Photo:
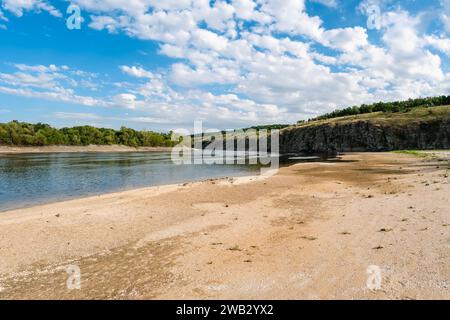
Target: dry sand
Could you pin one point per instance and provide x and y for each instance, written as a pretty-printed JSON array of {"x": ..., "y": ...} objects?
[
  {"x": 310, "y": 232},
  {"x": 74, "y": 149}
]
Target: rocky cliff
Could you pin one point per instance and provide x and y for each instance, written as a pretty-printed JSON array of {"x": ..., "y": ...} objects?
[{"x": 417, "y": 129}]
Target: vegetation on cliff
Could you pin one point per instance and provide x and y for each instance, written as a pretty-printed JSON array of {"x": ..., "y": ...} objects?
[
  {"x": 389, "y": 107},
  {"x": 388, "y": 118}
]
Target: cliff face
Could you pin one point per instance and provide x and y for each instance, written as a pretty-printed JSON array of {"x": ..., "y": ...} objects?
[{"x": 367, "y": 135}]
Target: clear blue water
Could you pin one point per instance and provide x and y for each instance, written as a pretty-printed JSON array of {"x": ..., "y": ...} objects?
[{"x": 30, "y": 179}]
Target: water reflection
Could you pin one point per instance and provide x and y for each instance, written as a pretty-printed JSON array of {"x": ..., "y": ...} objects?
[{"x": 30, "y": 179}]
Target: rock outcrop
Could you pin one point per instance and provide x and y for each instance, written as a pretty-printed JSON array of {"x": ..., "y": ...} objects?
[{"x": 366, "y": 135}]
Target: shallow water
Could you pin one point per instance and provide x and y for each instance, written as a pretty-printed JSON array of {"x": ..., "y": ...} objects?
[{"x": 30, "y": 179}]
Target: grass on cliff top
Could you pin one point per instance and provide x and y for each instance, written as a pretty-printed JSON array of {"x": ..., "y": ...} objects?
[
  {"x": 416, "y": 153},
  {"x": 432, "y": 154},
  {"x": 386, "y": 118}
]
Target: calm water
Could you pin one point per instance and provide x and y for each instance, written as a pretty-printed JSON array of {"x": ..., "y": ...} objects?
[{"x": 30, "y": 179}]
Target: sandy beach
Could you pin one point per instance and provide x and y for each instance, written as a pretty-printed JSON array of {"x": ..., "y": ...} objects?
[
  {"x": 309, "y": 232},
  {"x": 74, "y": 149}
]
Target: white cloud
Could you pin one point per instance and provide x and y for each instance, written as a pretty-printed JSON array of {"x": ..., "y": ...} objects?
[
  {"x": 205, "y": 39},
  {"x": 218, "y": 73},
  {"x": 125, "y": 100},
  {"x": 49, "y": 82},
  {"x": 136, "y": 72},
  {"x": 328, "y": 3},
  {"x": 440, "y": 43},
  {"x": 76, "y": 116},
  {"x": 103, "y": 22},
  {"x": 59, "y": 94},
  {"x": 263, "y": 59},
  {"x": 18, "y": 7},
  {"x": 36, "y": 68},
  {"x": 445, "y": 14},
  {"x": 2, "y": 16},
  {"x": 215, "y": 17},
  {"x": 21, "y": 79},
  {"x": 347, "y": 39}
]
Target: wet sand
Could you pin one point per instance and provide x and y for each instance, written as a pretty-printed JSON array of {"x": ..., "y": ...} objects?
[{"x": 309, "y": 232}]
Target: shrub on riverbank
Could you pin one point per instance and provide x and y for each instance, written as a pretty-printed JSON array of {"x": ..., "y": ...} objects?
[{"x": 27, "y": 134}]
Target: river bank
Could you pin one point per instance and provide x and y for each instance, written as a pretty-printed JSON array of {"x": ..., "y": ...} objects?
[
  {"x": 75, "y": 149},
  {"x": 311, "y": 232}
]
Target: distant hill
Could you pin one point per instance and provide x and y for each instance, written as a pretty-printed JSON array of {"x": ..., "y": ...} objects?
[{"x": 394, "y": 106}]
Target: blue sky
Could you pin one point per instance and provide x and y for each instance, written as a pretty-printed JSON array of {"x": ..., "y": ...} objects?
[{"x": 161, "y": 64}]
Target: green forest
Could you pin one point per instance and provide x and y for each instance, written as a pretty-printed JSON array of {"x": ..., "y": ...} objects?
[
  {"x": 26, "y": 134},
  {"x": 396, "y": 106}
]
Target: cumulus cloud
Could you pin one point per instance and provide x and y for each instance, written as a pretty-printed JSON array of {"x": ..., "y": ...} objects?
[
  {"x": 257, "y": 61},
  {"x": 17, "y": 7},
  {"x": 125, "y": 100},
  {"x": 57, "y": 83},
  {"x": 137, "y": 72},
  {"x": 440, "y": 43}
]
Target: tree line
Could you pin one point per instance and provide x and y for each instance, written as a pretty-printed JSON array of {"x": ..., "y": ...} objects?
[
  {"x": 26, "y": 134},
  {"x": 396, "y": 106},
  {"x": 270, "y": 127},
  {"x": 40, "y": 134}
]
